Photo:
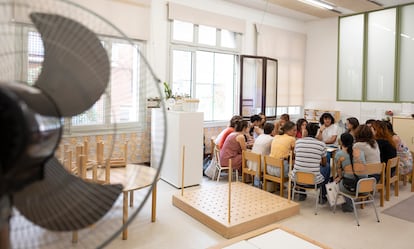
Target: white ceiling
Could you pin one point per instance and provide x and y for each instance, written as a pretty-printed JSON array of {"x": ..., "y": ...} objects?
[{"x": 301, "y": 11}]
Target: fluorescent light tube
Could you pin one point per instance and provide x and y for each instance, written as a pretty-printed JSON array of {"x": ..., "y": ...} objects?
[{"x": 318, "y": 4}]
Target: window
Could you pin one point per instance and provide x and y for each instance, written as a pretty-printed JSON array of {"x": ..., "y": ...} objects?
[
  {"x": 375, "y": 56},
  {"x": 204, "y": 67},
  {"x": 120, "y": 104}
]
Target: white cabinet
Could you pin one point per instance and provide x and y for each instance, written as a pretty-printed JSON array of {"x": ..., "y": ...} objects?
[
  {"x": 183, "y": 129},
  {"x": 404, "y": 127}
]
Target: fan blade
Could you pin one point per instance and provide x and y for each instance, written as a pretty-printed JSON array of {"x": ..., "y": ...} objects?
[
  {"x": 75, "y": 70},
  {"x": 63, "y": 202}
]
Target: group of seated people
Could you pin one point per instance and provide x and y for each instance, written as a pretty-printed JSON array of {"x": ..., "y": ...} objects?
[{"x": 372, "y": 142}]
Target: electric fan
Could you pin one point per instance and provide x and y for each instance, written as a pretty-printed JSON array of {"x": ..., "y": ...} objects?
[{"x": 72, "y": 73}]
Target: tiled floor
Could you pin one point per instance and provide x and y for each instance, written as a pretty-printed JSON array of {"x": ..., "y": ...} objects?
[{"x": 175, "y": 229}]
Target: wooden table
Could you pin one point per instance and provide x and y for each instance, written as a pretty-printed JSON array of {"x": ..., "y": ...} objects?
[{"x": 134, "y": 177}]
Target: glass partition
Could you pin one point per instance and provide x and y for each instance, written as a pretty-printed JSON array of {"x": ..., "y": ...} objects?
[
  {"x": 406, "y": 86},
  {"x": 381, "y": 55},
  {"x": 350, "y": 62}
]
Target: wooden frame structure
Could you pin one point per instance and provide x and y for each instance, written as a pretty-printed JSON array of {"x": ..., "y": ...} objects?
[{"x": 251, "y": 208}]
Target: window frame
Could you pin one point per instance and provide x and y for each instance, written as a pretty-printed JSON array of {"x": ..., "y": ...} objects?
[
  {"x": 195, "y": 46},
  {"x": 107, "y": 127}
]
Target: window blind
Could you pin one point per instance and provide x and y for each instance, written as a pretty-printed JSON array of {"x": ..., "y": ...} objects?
[
  {"x": 197, "y": 16},
  {"x": 289, "y": 48}
]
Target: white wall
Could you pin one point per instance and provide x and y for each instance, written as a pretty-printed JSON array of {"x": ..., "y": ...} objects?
[
  {"x": 321, "y": 73},
  {"x": 158, "y": 45}
]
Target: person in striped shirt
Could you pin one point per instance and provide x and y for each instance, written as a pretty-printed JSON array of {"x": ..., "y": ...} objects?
[{"x": 310, "y": 156}]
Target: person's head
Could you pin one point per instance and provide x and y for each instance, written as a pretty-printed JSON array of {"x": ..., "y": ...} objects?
[
  {"x": 285, "y": 117},
  {"x": 301, "y": 124},
  {"x": 364, "y": 134},
  {"x": 369, "y": 122},
  {"x": 268, "y": 128},
  {"x": 381, "y": 132},
  {"x": 326, "y": 119},
  {"x": 255, "y": 120},
  {"x": 352, "y": 123},
  {"x": 263, "y": 117},
  {"x": 289, "y": 128},
  {"x": 390, "y": 128},
  {"x": 347, "y": 140},
  {"x": 234, "y": 119},
  {"x": 241, "y": 125},
  {"x": 312, "y": 129}
]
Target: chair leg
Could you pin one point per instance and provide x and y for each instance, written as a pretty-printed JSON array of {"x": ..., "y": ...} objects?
[
  {"x": 355, "y": 211},
  {"x": 396, "y": 188},
  {"x": 264, "y": 184},
  {"x": 405, "y": 179},
  {"x": 281, "y": 189},
  {"x": 381, "y": 192},
  {"x": 218, "y": 175},
  {"x": 387, "y": 191},
  {"x": 375, "y": 209}
]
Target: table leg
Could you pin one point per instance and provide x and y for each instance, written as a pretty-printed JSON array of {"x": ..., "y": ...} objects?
[
  {"x": 131, "y": 198},
  {"x": 125, "y": 216},
  {"x": 154, "y": 202}
]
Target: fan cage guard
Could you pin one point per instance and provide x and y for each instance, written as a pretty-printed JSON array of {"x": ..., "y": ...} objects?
[{"x": 14, "y": 14}]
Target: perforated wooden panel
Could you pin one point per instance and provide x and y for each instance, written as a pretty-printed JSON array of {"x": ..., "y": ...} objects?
[{"x": 251, "y": 207}]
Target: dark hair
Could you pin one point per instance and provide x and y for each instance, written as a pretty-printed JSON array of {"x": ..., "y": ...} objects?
[
  {"x": 240, "y": 125},
  {"x": 312, "y": 129},
  {"x": 353, "y": 121},
  {"x": 285, "y": 117},
  {"x": 268, "y": 128},
  {"x": 390, "y": 129},
  {"x": 287, "y": 127},
  {"x": 347, "y": 141},
  {"x": 300, "y": 122},
  {"x": 364, "y": 134},
  {"x": 234, "y": 119},
  {"x": 370, "y": 121},
  {"x": 326, "y": 115},
  {"x": 255, "y": 118}
]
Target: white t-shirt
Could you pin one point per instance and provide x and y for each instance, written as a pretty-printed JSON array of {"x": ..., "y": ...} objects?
[
  {"x": 261, "y": 146},
  {"x": 330, "y": 131}
]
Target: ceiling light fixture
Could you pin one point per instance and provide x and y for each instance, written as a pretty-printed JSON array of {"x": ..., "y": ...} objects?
[{"x": 318, "y": 3}]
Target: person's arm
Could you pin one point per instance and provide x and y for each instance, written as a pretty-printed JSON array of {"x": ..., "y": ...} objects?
[
  {"x": 323, "y": 161},
  {"x": 258, "y": 130},
  {"x": 338, "y": 164},
  {"x": 242, "y": 141},
  {"x": 331, "y": 140},
  {"x": 319, "y": 134}
]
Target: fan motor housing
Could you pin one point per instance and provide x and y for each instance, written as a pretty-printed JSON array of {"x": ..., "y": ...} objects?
[{"x": 29, "y": 138}]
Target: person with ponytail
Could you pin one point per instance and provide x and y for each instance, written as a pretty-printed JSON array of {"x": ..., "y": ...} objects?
[{"x": 353, "y": 160}]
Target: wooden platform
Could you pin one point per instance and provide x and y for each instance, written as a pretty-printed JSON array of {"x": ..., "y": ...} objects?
[{"x": 251, "y": 208}]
